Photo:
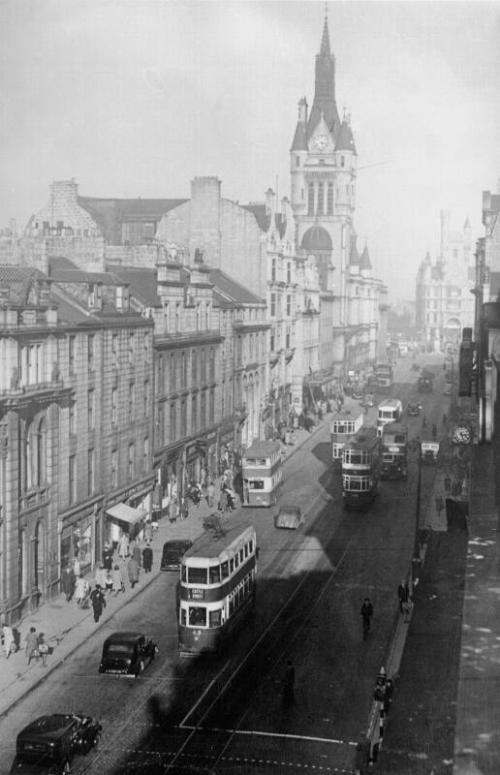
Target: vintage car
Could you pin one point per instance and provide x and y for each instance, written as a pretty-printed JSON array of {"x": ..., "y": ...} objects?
[
  {"x": 289, "y": 517},
  {"x": 429, "y": 451},
  {"x": 368, "y": 400},
  {"x": 413, "y": 409},
  {"x": 48, "y": 744},
  {"x": 173, "y": 552},
  {"x": 127, "y": 653}
]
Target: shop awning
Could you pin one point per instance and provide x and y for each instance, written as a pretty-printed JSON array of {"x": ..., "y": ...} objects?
[{"x": 125, "y": 513}]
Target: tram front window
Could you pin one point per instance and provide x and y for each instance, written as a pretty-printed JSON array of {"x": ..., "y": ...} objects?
[
  {"x": 224, "y": 568},
  {"x": 214, "y": 574},
  {"x": 197, "y": 575},
  {"x": 197, "y": 616},
  {"x": 255, "y": 484},
  {"x": 215, "y": 618}
]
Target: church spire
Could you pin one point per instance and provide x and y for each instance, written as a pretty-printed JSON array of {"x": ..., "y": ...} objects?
[{"x": 324, "y": 90}]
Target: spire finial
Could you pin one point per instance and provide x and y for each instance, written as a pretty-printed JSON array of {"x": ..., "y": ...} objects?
[{"x": 325, "y": 38}]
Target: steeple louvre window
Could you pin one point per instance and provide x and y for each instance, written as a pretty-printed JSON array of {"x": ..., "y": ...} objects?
[
  {"x": 321, "y": 199},
  {"x": 310, "y": 199},
  {"x": 329, "y": 201}
]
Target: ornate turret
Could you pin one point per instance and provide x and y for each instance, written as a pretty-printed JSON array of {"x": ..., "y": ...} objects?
[
  {"x": 324, "y": 92},
  {"x": 345, "y": 138},
  {"x": 365, "y": 264}
]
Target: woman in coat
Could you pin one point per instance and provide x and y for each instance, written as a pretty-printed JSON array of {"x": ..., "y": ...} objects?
[
  {"x": 133, "y": 572},
  {"x": 118, "y": 585},
  {"x": 68, "y": 582}
]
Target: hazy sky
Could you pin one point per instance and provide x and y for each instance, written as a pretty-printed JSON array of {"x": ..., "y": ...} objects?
[{"x": 136, "y": 97}]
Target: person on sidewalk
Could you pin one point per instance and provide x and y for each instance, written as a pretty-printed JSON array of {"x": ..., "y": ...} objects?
[
  {"x": 107, "y": 556},
  {"x": 133, "y": 572},
  {"x": 366, "y": 615},
  {"x": 100, "y": 576},
  {"x": 98, "y": 602},
  {"x": 43, "y": 649},
  {"x": 135, "y": 551},
  {"x": 403, "y": 595},
  {"x": 68, "y": 582},
  {"x": 9, "y": 642},
  {"x": 210, "y": 494},
  {"x": 147, "y": 558},
  {"x": 118, "y": 585},
  {"x": 31, "y": 645},
  {"x": 123, "y": 546},
  {"x": 81, "y": 590}
]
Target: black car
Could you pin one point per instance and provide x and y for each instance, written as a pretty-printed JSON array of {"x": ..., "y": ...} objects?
[
  {"x": 49, "y": 743},
  {"x": 413, "y": 409},
  {"x": 173, "y": 552},
  {"x": 127, "y": 653}
]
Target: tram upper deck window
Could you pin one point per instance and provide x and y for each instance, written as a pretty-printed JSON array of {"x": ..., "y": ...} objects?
[
  {"x": 215, "y": 618},
  {"x": 224, "y": 570},
  {"x": 255, "y": 484},
  {"x": 197, "y": 616},
  {"x": 197, "y": 575},
  {"x": 250, "y": 544},
  {"x": 214, "y": 574},
  {"x": 241, "y": 555},
  {"x": 231, "y": 565}
]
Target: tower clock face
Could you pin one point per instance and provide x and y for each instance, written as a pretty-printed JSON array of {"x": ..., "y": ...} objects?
[
  {"x": 320, "y": 142},
  {"x": 461, "y": 435}
]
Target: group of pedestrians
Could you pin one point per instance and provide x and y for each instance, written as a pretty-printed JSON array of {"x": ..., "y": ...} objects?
[{"x": 35, "y": 646}]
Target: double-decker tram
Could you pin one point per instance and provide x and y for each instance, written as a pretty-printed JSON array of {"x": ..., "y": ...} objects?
[
  {"x": 360, "y": 468},
  {"x": 389, "y": 410},
  {"x": 216, "y": 589},
  {"x": 384, "y": 375},
  {"x": 262, "y": 471},
  {"x": 343, "y": 427},
  {"x": 394, "y": 451}
]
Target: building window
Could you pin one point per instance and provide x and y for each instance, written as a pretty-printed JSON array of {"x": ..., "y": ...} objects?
[
  {"x": 178, "y": 317},
  {"x": 310, "y": 199},
  {"x": 272, "y": 342},
  {"x": 194, "y": 366},
  {"x": 273, "y": 270},
  {"x": 297, "y": 161},
  {"x": 34, "y": 455},
  {"x": 173, "y": 422},
  {"x": 159, "y": 374},
  {"x": 184, "y": 369},
  {"x": 165, "y": 317},
  {"x": 321, "y": 198},
  {"x": 145, "y": 454},
  {"x": 287, "y": 340},
  {"x": 289, "y": 273},
  {"x": 146, "y": 345},
  {"x": 114, "y": 468},
  {"x": 173, "y": 375},
  {"x": 183, "y": 428},
  {"x": 273, "y": 305},
  {"x": 131, "y": 454},
  {"x": 203, "y": 409},
  {"x": 90, "y": 352},
  {"x": 114, "y": 349},
  {"x": 114, "y": 406},
  {"x": 329, "y": 203},
  {"x": 342, "y": 161},
  {"x": 72, "y": 419},
  {"x": 72, "y": 479},
  {"x": 131, "y": 399},
  {"x": 288, "y": 305},
  {"x": 211, "y": 364},
  {"x": 90, "y": 472},
  {"x": 194, "y": 412},
  {"x": 71, "y": 354},
  {"x": 131, "y": 348},
  {"x": 211, "y": 406},
  {"x": 203, "y": 365},
  {"x": 91, "y": 409},
  {"x": 146, "y": 397}
]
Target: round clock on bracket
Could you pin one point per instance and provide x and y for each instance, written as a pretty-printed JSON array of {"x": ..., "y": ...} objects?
[{"x": 461, "y": 435}]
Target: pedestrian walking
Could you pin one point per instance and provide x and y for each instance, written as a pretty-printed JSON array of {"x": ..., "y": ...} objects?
[
  {"x": 289, "y": 683},
  {"x": 98, "y": 602},
  {"x": 43, "y": 649},
  {"x": 403, "y": 595},
  {"x": 76, "y": 567},
  {"x": 211, "y": 494},
  {"x": 108, "y": 584},
  {"x": 148, "y": 531},
  {"x": 147, "y": 558},
  {"x": 366, "y": 614},
  {"x": 173, "y": 510},
  {"x": 68, "y": 582},
  {"x": 31, "y": 642},
  {"x": 137, "y": 554},
  {"x": 116, "y": 575},
  {"x": 8, "y": 640},
  {"x": 82, "y": 590},
  {"x": 133, "y": 572},
  {"x": 107, "y": 556},
  {"x": 100, "y": 576},
  {"x": 123, "y": 546}
]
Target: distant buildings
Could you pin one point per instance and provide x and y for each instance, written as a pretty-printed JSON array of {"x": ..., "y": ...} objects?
[
  {"x": 148, "y": 342},
  {"x": 444, "y": 302}
]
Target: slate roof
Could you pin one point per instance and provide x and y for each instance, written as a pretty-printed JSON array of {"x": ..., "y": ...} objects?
[
  {"x": 142, "y": 282},
  {"x": 353, "y": 254},
  {"x": 364, "y": 261},
  {"x": 19, "y": 280},
  {"x": 229, "y": 289},
  {"x": 109, "y": 214},
  {"x": 63, "y": 271},
  {"x": 316, "y": 238},
  {"x": 345, "y": 139},
  {"x": 299, "y": 142},
  {"x": 260, "y": 213}
]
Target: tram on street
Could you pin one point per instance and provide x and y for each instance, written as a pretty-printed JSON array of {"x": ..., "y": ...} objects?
[
  {"x": 262, "y": 472},
  {"x": 216, "y": 592},
  {"x": 384, "y": 375},
  {"x": 360, "y": 468},
  {"x": 394, "y": 451},
  {"x": 389, "y": 410},
  {"x": 344, "y": 425}
]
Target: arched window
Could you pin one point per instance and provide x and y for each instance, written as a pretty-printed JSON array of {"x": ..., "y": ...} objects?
[
  {"x": 321, "y": 199},
  {"x": 34, "y": 456},
  {"x": 310, "y": 199},
  {"x": 329, "y": 204}
]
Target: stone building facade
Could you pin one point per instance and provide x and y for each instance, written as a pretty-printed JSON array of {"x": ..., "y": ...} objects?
[{"x": 76, "y": 426}]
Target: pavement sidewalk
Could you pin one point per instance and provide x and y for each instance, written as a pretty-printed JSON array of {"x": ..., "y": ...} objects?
[{"x": 66, "y": 626}]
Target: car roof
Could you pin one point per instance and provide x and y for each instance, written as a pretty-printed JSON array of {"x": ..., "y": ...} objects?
[
  {"x": 126, "y": 635},
  {"x": 289, "y": 509},
  {"x": 49, "y": 726}
]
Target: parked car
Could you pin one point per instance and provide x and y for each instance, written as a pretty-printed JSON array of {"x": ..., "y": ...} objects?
[
  {"x": 358, "y": 393},
  {"x": 414, "y": 408},
  {"x": 173, "y": 552},
  {"x": 49, "y": 743},
  {"x": 127, "y": 653},
  {"x": 289, "y": 517}
]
